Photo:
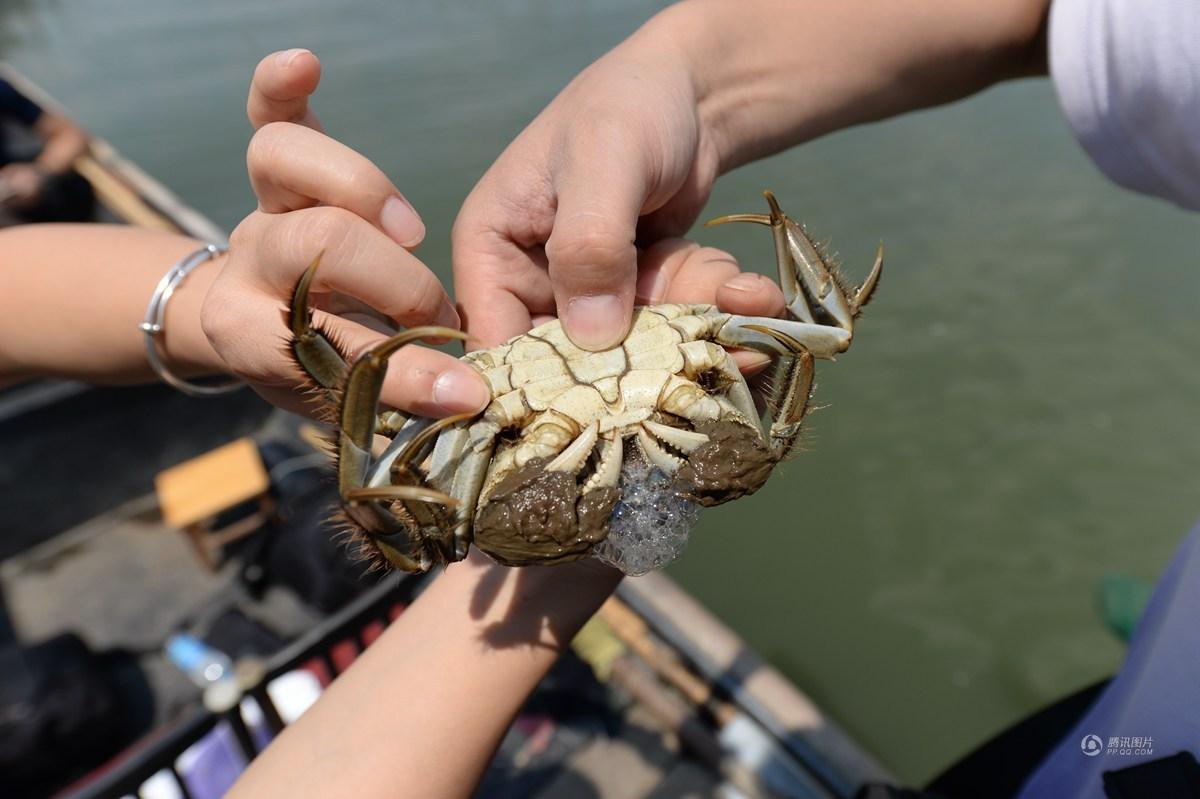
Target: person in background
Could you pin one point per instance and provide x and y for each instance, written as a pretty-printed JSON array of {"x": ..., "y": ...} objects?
[{"x": 37, "y": 150}]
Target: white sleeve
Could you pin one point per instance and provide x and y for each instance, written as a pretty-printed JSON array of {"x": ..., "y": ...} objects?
[{"x": 1127, "y": 73}]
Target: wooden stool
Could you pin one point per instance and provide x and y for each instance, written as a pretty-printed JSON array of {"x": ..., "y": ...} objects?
[{"x": 193, "y": 494}]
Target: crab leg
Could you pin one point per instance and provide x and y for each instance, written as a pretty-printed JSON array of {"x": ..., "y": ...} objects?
[
  {"x": 460, "y": 468},
  {"x": 415, "y": 447},
  {"x": 356, "y": 434},
  {"x": 391, "y": 422},
  {"x": 413, "y": 488},
  {"x": 324, "y": 364},
  {"x": 469, "y": 474},
  {"x": 381, "y": 470},
  {"x": 319, "y": 358},
  {"x": 823, "y": 341},
  {"x": 361, "y": 400},
  {"x": 792, "y": 294},
  {"x": 866, "y": 289},
  {"x": 399, "y": 494},
  {"x": 790, "y": 400},
  {"x": 739, "y": 393},
  {"x": 608, "y": 470},
  {"x": 805, "y": 274}
]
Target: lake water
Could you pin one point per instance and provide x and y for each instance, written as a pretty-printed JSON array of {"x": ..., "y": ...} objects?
[{"x": 1017, "y": 418}]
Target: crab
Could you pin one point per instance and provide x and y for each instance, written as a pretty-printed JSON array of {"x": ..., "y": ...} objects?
[{"x": 534, "y": 477}]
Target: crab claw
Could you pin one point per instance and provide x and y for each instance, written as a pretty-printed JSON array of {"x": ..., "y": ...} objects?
[
  {"x": 656, "y": 454},
  {"x": 608, "y": 471},
  {"x": 400, "y": 494},
  {"x": 685, "y": 441},
  {"x": 574, "y": 456}
]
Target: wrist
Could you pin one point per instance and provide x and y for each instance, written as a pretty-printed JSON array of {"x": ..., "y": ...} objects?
[
  {"x": 771, "y": 74},
  {"x": 736, "y": 98},
  {"x": 185, "y": 348},
  {"x": 540, "y": 607}
]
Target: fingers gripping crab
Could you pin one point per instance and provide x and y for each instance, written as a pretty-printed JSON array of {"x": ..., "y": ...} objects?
[{"x": 534, "y": 478}]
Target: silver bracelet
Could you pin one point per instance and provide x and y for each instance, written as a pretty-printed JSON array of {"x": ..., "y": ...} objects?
[{"x": 156, "y": 312}]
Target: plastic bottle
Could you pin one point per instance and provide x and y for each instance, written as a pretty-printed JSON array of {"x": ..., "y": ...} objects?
[{"x": 203, "y": 665}]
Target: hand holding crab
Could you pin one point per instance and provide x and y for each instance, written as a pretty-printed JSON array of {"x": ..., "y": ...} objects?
[
  {"x": 314, "y": 193},
  {"x": 534, "y": 478}
]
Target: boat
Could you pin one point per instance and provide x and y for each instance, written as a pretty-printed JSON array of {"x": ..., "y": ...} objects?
[{"x": 657, "y": 697}]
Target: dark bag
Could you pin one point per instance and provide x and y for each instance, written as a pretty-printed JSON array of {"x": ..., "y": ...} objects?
[{"x": 64, "y": 710}]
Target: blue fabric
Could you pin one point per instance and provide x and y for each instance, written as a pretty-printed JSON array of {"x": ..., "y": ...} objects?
[
  {"x": 14, "y": 107},
  {"x": 1155, "y": 696}
]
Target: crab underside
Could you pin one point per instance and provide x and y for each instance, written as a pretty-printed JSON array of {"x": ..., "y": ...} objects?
[{"x": 579, "y": 452}]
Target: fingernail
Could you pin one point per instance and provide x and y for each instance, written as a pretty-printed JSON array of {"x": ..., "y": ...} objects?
[
  {"x": 747, "y": 281},
  {"x": 595, "y": 322},
  {"x": 448, "y": 317},
  {"x": 288, "y": 56},
  {"x": 461, "y": 390},
  {"x": 401, "y": 222}
]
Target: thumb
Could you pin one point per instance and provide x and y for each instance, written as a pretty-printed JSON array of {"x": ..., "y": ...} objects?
[{"x": 591, "y": 252}]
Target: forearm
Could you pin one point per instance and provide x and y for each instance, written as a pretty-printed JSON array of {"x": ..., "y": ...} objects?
[
  {"x": 422, "y": 711},
  {"x": 73, "y": 297},
  {"x": 769, "y": 74}
]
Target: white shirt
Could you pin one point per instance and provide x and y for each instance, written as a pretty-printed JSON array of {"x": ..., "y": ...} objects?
[{"x": 1127, "y": 74}]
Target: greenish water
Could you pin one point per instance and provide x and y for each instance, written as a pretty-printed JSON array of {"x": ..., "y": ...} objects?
[{"x": 1018, "y": 415}]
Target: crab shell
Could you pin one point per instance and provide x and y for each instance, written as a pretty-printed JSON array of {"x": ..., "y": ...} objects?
[{"x": 545, "y": 457}]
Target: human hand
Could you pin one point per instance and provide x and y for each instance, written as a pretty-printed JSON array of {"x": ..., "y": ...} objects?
[
  {"x": 619, "y": 157},
  {"x": 21, "y": 183},
  {"x": 318, "y": 196}
]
